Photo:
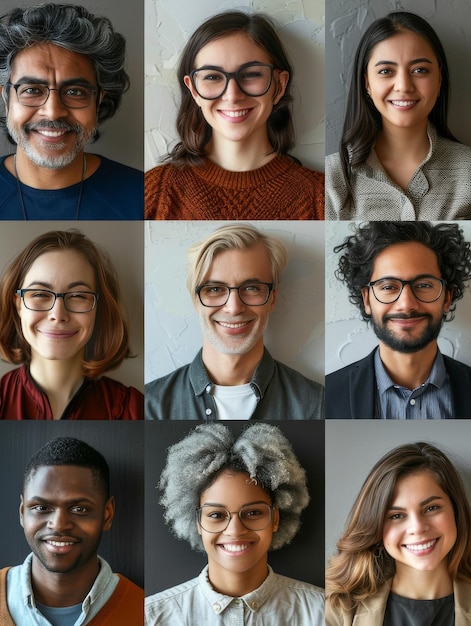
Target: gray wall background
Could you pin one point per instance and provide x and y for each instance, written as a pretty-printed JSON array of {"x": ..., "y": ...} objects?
[
  {"x": 123, "y": 242},
  {"x": 122, "y": 136},
  {"x": 347, "y": 20},
  {"x": 353, "y": 447}
]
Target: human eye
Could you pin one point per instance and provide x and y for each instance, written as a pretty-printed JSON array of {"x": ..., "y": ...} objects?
[
  {"x": 31, "y": 91},
  {"x": 210, "y": 76},
  {"x": 420, "y": 70},
  {"x": 387, "y": 285},
  {"x": 385, "y": 71},
  {"x": 39, "y": 508},
  {"x": 252, "y": 288},
  {"x": 214, "y": 514},
  {"x": 253, "y": 512},
  {"x": 79, "y": 510},
  {"x": 78, "y": 295},
  {"x": 432, "y": 508},
  {"x": 213, "y": 290},
  {"x": 395, "y": 516}
]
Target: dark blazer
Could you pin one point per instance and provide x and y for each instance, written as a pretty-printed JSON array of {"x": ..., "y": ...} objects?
[{"x": 350, "y": 391}]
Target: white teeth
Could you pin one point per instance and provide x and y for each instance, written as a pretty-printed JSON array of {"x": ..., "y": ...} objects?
[
  {"x": 417, "y": 547},
  {"x": 228, "y": 325},
  {"x": 60, "y": 544},
  {"x": 51, "y": 133},
  {"x": 231, "y": 547},
  {"x": 403, "y": 103},
  {"x": 236, "y": 113}
]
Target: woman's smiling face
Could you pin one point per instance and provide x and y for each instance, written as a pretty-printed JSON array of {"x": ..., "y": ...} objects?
[{"x": 236, "y": 116}]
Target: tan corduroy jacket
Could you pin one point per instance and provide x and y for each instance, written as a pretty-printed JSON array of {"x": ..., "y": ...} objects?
[{"x": 370, "y": 612}]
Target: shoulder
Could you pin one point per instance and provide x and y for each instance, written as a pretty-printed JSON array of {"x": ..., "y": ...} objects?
[
  {"x": 123, "y": 402},
  {"x": 307, "y": 599},
  {"x": 168, "y": 603},
  {"x": 180, "y": 376},
  {"x": 299, "y": 586},
  {"x": 332, "y": 162},
  {"x": 362, "y": 364},
  {"x": 292, "y": 377},
  {"x": 109, "y": 167},
  {"x": 446, "y": 148},
  {"x": 455, "y": 367}
]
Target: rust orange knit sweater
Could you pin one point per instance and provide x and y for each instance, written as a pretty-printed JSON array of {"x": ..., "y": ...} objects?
[{"x": 280, "y": 190}]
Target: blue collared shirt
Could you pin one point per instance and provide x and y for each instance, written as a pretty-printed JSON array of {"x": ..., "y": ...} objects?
[
  {"x": 22, "y": 605},
  {"x": 279, "y": 600},
  {"x": 431, "y": 400}
]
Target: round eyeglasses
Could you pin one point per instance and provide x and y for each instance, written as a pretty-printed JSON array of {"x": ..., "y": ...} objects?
[
  {"x": 44, "y": 300},
  {"x": 215, "y": 519},
  {"x": 253, "y": 79},
  {"x": 252, "y": 294},
  {"x": 425, "y": 288},
  {"x": 71, "y": 96}
]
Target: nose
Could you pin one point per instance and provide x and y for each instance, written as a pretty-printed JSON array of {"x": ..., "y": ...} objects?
[
  {"x": 59, "y": 311},
  {"x": 234, "y": 304},
  {"x": 417, "y": 525},
  {"x": 404, "y": 82},
  {"x": 235, "y": 526},
  {"x": 53, "y": 107},
  {"x": 59, "y": 520},
  {"x": 407, "y": 299},
  {"x": 233, "y": 91}
]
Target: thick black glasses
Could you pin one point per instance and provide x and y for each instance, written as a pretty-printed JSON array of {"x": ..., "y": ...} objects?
[
  {"x": 252, "y": 294},
  {"x": 44, "y": 300},
  {"x": 71, "y": 96},
  {"x": 253, "y": 79},
  {"x": 215, "y": 519},
  {"x": 424, "y": 288}
]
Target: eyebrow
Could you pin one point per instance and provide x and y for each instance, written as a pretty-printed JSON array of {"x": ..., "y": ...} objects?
[
  {"x": 423, "y": 503},
  {"x": 207, "y": 66},
  {"x": 224, "y": 506},
  {"x": 420, "y": 60},
  {"x": 34, "y": 80},
  {"x": 244, "y": 282},
  {"x": 73, "y": 501},
  {"x": 78, "y": 283}
]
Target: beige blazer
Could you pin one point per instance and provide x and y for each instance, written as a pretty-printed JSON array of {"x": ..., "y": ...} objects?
[{"x": 370, "y": 612}]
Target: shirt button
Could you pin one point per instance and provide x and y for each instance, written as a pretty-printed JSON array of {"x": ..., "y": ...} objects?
[
  {"x": 217, "y": 607},
  {"x": 208, "y": 389},
  {"x": 255, "y": 605},
  {"x": 208, "y": 411},
  {"x": 412, "y": 401}
]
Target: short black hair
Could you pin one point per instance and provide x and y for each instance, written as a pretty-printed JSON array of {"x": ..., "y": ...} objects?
[
  {"x": 70, "y": 451},
  {"x": 370, "y": 238}
]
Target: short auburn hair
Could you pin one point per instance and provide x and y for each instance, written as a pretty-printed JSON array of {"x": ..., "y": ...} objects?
[{"x": 109, "y": 344}]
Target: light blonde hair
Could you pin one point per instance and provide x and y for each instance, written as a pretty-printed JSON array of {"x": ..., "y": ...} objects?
[{"x": 233, "y": 236}]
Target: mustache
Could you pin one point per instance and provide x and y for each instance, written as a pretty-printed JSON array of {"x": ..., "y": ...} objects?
[
  {"x": 53, "y": 125},
  {"x": 405, "y": 316}
]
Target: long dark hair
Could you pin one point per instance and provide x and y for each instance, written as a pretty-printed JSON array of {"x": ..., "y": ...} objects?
[
  {"x": 192, "y": 128},
  {"x": 362, "y": 122}
]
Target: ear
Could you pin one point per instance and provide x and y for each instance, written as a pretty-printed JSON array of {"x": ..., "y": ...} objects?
[
  {"x": 109, "y": 514},
  {"x": 365, "y": 293},
  {"x": 18, "y": 304},
  {"x": 22, "y": 509},
  {"x": 192, "y": 90},
  {"x": 276, "y": 520},
  {"x": 273, "y": 296},
  {"x": 448, "y": 299},
  {"x": 281, "y": 84}
]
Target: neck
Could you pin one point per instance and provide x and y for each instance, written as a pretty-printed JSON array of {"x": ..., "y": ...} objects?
[
  {"x": 410, "y": 583},
  {"x": 240, "y": 156},
  {"x": 59, "y": 380},
  {"x": 403, "y": 143},
  {"x": 63, "y": 589},
  {"x": 231, "y": 369},
  {"x": 237, "y": 584},
  {"x": 39, "y": 177},
  {"x": 409, "y": 370}
]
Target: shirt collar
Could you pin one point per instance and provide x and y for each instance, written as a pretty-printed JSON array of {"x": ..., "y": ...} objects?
[
  {"x": 200, "y": 380},
  {"x": 253, "y": 600},
  {"x": 384, "y": 382},
  {"x": 101, "y": 581}
]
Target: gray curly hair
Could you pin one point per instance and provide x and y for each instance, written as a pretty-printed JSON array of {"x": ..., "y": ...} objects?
[{"x": 262, "y": 451}]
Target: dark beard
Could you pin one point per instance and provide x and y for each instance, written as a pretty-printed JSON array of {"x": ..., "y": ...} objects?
[{"x": 385, "y": 335}]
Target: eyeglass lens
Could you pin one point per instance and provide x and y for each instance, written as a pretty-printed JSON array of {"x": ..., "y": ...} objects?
[
  {"x": 253, "y": 80},
  {"x": 71, "y": 96},
  {"x": 425, "y": 289},
  {"x": 74, "y": 301},
  {"x": 215, "y": 519},
  {"x": 252, "y": 294}
]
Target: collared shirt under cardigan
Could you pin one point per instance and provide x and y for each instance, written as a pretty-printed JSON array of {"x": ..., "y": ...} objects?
[
  {"x": 440, "y": 188},
  {"x": 279, "y": 601},
  {"x": 370, "y": 612},
  {"x": 281, "y": 392}
]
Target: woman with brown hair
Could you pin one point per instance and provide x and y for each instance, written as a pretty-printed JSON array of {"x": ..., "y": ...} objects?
[
  {"x": 61, "y": 320},
  {"x": 405, "y": 556}
]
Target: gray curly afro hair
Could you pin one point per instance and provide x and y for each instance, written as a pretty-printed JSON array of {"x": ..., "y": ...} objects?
[{"x": 262, "y": 451}]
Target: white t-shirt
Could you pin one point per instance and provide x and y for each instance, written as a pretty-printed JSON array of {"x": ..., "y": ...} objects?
[{"x": 236, "y": 402}]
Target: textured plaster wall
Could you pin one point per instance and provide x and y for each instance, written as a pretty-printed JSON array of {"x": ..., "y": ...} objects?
[
  {"x": 347, "y": 20},
  {"x": 348, "y": 338},
  {"x": 168, "y": 25},
  {"x": 295, "y": 333}
]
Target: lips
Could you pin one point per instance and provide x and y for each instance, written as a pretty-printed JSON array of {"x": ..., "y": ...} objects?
[
  {"x": 235, "y": 549},
  {"x": 51, "y": 133},
  {"x": 58, "y": 334},
  {"x": 239, "y": 113},
  {"x": 233, "y": 324},
  {"x": 424, "y": 547},
  {"x": 403, "y": 103}
]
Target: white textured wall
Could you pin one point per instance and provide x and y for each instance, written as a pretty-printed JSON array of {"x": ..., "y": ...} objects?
[
  {"x": 347, "y": 20},
  {"x": 168, "y": 25},
  {"x": 348, "y": 338},
  {"x": 295, "y": 333}
]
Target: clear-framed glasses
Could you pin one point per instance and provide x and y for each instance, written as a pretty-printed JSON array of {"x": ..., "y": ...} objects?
[
  {"x": 425, "y": 288},
  {"x": 71, "y": 96},
  {"x": 44, "y": 300},
  {"x": 253, "y": 79},
  {"x": 252, "y": 293},
  {"x": 215, "y": 519}
]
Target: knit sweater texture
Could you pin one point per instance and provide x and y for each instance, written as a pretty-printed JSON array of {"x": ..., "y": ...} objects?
[{"x": 280, "y": 190}]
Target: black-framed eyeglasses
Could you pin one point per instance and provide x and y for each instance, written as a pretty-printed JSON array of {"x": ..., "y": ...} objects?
[
  {"x": 44, "y": 300},
  {"x": 251, "y": 293},
  {"x": 425, "y": 288},
  {"x": 253, "y": 79},
  {"x": 215, "y": 519},
  {"x": 72, "y": 96}
]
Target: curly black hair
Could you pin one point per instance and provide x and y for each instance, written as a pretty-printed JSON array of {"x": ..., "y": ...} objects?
[{"x": 370, "y": 238}]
